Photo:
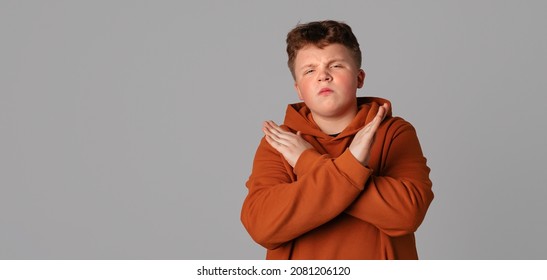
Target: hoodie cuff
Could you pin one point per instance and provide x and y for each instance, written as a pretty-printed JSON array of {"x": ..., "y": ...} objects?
[
  {"x": 305, "y": 161},
  {"x": 353, "y": 170}
]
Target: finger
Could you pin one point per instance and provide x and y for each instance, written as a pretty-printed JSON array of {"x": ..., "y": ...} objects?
[
  {"x": 373, "y": 125},
  {"x": 279, "y": 132},
  {"x": 386, "y": 106},
  {"x": 386, "y": 110},
  {"x": 273, "y": 125},
  {"x": 275, "y": 144},
  {"x": 276, "y": 128},
  {"x": 277, "y": 140},
  {"x": 270, "y": 132},
  {"x": 378, "y": 118},
  {"x": 382, "y": 112}
]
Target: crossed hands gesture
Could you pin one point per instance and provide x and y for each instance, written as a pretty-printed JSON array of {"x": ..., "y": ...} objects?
[{"x": 291, "y": 145}]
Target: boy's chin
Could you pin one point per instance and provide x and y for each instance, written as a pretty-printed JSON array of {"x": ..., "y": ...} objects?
[
  {"x": 327, "y": 112},
  {"x": 331, "y": 110}
]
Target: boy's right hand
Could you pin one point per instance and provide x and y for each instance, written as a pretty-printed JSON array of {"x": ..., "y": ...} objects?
[
  {"x": 290, "y": 145},
  {"x": 360, "y": 146}
]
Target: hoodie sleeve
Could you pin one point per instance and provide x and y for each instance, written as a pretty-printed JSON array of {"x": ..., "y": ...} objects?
[
  {"x": 397, "y": 197},
  {"x": 279, "y": 207}
]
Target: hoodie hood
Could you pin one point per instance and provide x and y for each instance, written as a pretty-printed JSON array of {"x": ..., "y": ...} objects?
[{"x": 298, "y": 117}]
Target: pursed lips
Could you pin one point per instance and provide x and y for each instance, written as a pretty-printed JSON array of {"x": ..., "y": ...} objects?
[{"x": 325, "y": 91}]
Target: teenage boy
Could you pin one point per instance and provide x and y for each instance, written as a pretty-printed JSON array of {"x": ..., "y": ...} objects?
[{"x": 341, "y": 178}]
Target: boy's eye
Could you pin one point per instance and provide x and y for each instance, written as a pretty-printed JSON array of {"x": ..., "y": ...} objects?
[
  {"x": 308, "y": 71},
  {"x": 337, "y": 66}
]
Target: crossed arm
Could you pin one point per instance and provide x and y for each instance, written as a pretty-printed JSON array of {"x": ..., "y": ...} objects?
[
  {"x": 280, "y": 208},
  {"x": 291, "y": 145}
]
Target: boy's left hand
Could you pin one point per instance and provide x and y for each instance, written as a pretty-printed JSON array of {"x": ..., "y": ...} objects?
[{"x": 290, "y": 145}]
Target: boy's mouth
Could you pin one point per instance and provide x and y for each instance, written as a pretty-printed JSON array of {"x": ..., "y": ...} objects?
[{"x": 325, "y": 91}]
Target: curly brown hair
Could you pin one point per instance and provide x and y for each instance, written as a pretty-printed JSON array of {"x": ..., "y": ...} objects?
[{"x": 321, "y": 34}]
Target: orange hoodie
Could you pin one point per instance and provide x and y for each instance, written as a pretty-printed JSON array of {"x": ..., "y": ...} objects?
[{"x": 332, "y": 207}]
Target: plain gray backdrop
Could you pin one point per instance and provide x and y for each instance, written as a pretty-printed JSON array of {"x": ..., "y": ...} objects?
[{"x": 128, "y": 128}]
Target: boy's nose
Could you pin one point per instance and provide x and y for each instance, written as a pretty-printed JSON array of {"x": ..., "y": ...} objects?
[{"x": 324, "y": 76}]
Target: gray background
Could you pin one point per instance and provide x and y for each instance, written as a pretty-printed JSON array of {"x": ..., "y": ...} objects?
[{"x": 128, "y": 128}]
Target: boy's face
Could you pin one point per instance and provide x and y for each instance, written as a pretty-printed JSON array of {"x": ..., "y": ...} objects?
[{"x": 327, "y": 79}]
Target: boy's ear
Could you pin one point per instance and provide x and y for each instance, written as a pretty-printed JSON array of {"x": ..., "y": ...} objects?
[
  {"x": 298, "y": 91},
  {"x": 361, "y": 78}
]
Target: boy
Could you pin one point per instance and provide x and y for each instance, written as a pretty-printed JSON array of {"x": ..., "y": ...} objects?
[{"x": 342, "y": 178}]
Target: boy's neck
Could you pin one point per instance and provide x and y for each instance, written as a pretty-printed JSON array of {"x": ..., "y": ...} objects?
[{"x": 334, "y": 125}]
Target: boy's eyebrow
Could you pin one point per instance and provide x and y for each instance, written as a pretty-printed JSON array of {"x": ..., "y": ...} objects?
[
  {"x": 336, "y": 59},
  {"x": 308, "y": 65}
]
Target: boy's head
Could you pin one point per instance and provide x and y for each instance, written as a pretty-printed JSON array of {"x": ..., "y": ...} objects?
[
  {"x": 325, "y": 62},
  {"x": 321, "y": 34}
]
